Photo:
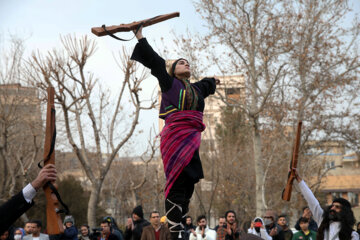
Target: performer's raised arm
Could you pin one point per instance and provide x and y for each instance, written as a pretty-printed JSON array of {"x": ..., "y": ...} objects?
[
  {"x": 144, "y": 54},
  {"x": 313, "y": 203},
  {"x": 335, "y": 221}
]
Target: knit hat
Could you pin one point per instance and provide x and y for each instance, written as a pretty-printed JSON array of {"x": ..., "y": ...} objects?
[
  {"x": 138, "y": 211},
  {"x": 343, "y": 202},
  {"x": 69, "y": 219}
]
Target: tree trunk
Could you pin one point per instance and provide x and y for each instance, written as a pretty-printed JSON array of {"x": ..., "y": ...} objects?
[
  {"x": 259, "y": 168},
  {"x": 93, "y": 202}
]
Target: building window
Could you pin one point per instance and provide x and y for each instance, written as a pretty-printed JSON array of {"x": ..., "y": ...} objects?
[
  {"x": 353, "y": 198},
  {"x": 329, "y": 164}
]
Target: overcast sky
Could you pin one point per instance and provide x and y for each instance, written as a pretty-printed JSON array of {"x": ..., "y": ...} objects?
[{"x": 43, "y": 21}]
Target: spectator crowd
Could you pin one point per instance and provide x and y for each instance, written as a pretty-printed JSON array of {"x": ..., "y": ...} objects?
[{"x": 268, "y": 227}]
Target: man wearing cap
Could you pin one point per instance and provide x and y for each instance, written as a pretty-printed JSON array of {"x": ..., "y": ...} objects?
[
  {"x": 335, "y": 221},
  {"x": 70, "y": 231},
  {"x": 135, "y": 225},
  {"x": 114, "y": 227}
]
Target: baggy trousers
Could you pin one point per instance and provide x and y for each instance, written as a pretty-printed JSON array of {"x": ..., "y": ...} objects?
[{"x": 177, "y": 204}]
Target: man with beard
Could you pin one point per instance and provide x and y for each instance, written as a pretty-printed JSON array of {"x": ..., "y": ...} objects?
[
  {"x": 335, "y": 221},
  {"x": 232, "y": 231},
  {"x": 188, "y": 228}
]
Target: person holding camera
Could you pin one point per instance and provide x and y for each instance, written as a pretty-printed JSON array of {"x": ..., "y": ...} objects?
[
  {"x": 257, "y": 228},
  {"x": 105, "y": 233}
]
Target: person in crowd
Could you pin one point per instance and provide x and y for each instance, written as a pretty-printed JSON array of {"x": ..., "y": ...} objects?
[
  {"x": 221, "y": 223},
  {"x": 70, "y": 231},
  {"x": 305, "y": 233},
  {"x": 335, "y": 221},
  {"x": 84, "y": 232},
  {"x": 283, "y": 223},
  {"x": 11, "y": 210},
  {"x": 27, "y": 228},
  {"x": 231, "y": 227},
  {"x": 307, "y": 214},
  {"x": 182, "y": 105},
  {"x": 202, "y": 230},
  {"x": 188, "y": 228},
  {"x": 358, "y": 228},
  {"x": 19, "y": 233},
  {"x": 257, "y": 228},
  {"x": 155, "y": 231},
  {"x": 272, "y": 228},
  {"x": 36, "y": 234},
  {"x": 5, "y": 235},
  {"x": 114, "y": 227},
  {"x": 135, "y": 224},
  {"x": 106, "y": 232}
]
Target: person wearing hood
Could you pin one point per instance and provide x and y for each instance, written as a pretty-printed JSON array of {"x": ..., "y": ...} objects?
[
  {"x": 135, "y": 224},
  {"x": 70, "y": 231},
  {"x": 202, "y": 230},
  {"x": 19, "y": 233},
  {"x": 272, "y": 228},
  {"x": 258, "y": 228}
]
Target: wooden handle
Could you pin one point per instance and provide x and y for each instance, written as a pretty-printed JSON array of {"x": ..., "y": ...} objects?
[
  {"x": 99, "y": 31},
  {"x": 293, "y": 164},
  {"x": 54, "y": 223}
]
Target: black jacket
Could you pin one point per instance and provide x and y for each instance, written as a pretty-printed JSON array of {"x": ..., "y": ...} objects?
[
  {"x": 135, "y": 234},
  {"x": 11, "y": 210}
]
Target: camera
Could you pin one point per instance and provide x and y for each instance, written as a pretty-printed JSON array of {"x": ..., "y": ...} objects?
[{"x": 96, "y": 233}]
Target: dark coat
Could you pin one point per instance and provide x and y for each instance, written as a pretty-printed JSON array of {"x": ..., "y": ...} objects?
[
  {"x": 70, "y": 233},
  {"x": 280, "y": 233},
  {"x": 149, "y": 233},
  {"x": 109, "y": 237},
  {"x": 135, "y": 234},
  {"x": 11, "y": 210}
]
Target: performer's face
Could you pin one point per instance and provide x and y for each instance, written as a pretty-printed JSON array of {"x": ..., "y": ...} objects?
[{"x": 182, "y": 69}]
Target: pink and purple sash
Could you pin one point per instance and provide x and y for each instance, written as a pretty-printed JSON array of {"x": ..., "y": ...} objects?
[{"x": 180, "y": 138}]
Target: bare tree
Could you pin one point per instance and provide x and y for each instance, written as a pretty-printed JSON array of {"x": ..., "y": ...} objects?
[
  {"x": 20, "y": 122},
  {"x": 96, "y": 125},
  {"x": 297, "y": 65}
]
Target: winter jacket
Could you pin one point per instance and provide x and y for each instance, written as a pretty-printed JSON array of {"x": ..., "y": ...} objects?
[
  {"x": 149, "y": 233},
  {"x": 262, "y": 233},
  {"x": 135, "y": 234}
]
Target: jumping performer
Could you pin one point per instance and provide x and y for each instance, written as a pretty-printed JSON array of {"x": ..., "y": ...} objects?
[{"x": 182, "y": 106}]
